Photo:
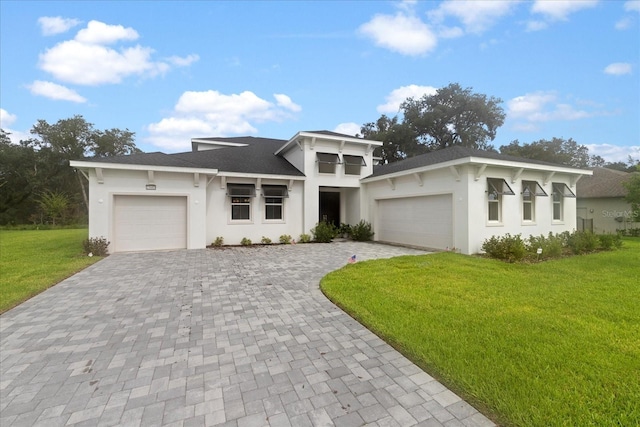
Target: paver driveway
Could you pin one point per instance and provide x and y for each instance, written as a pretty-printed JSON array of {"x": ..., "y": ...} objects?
[{"x": 240, "y": 337}]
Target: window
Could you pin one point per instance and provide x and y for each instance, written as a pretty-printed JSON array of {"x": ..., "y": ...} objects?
[
  {"x": 496, "y": 188},
  {"x": 241, "y": 195},
  {"x": 560, "y": 191},
  {"x": 530, "y": 190},
  {"x": 274, "y": 196},
  {"x": 327, "y": 162},
  {"x": 353, "y": 164}
]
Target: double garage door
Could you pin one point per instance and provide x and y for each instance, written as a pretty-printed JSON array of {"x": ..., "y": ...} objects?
[
  {"x": 424, "y": 221},
  {"x": 143, "y": 223}
]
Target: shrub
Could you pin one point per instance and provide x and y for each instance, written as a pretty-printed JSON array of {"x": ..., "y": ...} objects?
[
  {"x": 344, "y": 230},
  {"x": 610, "y": 241},
  {"x": 323, "y": 232},
  {"x": 552, "y": 246},
  {"x": 219, "y": 241},
  {"x": 265, "y": 240},
  {"x": 304, "y": 238},
  {"x": 97, "y": 246},
  {"x": 285, "y": 239},
  {"x": 508, "y": 248},
  {"x": 245, "y": 241},
  {"x": 582, "y": 241},
  {"x": 361, "y": 232}
]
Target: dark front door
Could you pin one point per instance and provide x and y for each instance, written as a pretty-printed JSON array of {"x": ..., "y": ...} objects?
[{"x": 330, "y": 207}]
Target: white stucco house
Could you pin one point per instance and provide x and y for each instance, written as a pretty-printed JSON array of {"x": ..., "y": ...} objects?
[
  {"x": 254, "y": 187},
  {"x": 601, "y": 207}
]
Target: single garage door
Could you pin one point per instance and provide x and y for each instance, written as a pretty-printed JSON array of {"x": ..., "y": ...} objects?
[
  {"x": 145, "y": 223},
  {"x": 425, "y": 221}
]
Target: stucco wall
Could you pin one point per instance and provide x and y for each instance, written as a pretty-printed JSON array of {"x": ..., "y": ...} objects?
[
  {"x": 123, "y": 182},
  {"x": 604, "y": 212}
]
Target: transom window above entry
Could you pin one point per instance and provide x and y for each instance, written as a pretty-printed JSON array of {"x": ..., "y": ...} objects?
[
  {"x": 327, "y": 162},
  {"x": 353, "y": 164}
]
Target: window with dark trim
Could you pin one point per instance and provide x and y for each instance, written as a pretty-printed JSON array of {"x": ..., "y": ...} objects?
[
  {"x": 353, "y": 164},
  {"x": 327, "y": 162},
  {"x": 530, "y": 190},
  {"x": 274, "y": 196},
  {"x": 241, "y": 195},
  {"x": 496, "y": 188},
  {"x": 560, "y": 192}
]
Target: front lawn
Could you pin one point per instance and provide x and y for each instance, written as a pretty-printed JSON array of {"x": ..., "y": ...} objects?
[
  {"x": 33, "y": 260},
  {"x": 553, "y": 343}
]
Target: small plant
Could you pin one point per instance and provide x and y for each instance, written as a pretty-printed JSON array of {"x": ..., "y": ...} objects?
[
  {"x": 361, "y": 232},
  {"x": 245, "y": 241},
  {"x": 96, "y": 246},
  {"x": 265, "y": 240},
  {"x": 583, "y": 241},
  {"x": 304, "y": 238},
  {"x": 323, "y": 232},
  {"x": 551, "y": 246},
  {"x": 344, "y": 230},
  {"x": 218, "y": 242},
  {"x": 508, "y": 248},
  {"x": 285, "y": 239},
  {"x": 610, "y": 241}
]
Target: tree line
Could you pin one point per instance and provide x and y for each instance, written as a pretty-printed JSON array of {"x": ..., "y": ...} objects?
[{"x": 37, "y": 186}]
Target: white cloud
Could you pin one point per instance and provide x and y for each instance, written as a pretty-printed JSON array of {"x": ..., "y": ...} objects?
[
  {"x": 348, "y": 128},
  {"x": 632, "y": 6},
  {"x": 618, "y": 68},
  {"x": 52, "y": 25},
  {"x": 541, "y": 107},
  {"x": 614, "y": 153},
  {"x": 211, "y": 113},
  {"x": 559, "y": 10},
  {"x": 623, "y": 23},
  {"x": 402, "y": 33},
  {"x": 399, "y": 95},
  {"x": 286, "y": 102},
  {"x": 100, "y": 33},
  {"x": 183, "y": 62},
  {"x": 86, "y": 60},
  {"x": 55, "y": 91},
  {"x": 476, "y": 15},
  {"x": 6, "y": 118}
]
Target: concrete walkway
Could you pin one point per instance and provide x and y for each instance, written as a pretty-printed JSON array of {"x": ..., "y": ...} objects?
[{"x": 239, "y": 337}]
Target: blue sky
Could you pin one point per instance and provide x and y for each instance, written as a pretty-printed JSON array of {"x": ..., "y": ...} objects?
[{"x": 171, "y": 71}]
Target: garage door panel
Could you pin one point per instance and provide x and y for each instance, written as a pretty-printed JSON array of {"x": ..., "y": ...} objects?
[
  {"x": 150, "y": 223},
  {"x": 425, "y": 221}
]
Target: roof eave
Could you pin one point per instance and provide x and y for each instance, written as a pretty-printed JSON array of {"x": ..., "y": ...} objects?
[{"x": 79, "y": 164}]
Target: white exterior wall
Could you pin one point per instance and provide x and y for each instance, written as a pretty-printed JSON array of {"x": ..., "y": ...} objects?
[
  {"x": 480, "y": 228},
  {"x": 218, "y": 215},
  {"x": 604, "y": 212},
  {"x": 133, "y": 182}
]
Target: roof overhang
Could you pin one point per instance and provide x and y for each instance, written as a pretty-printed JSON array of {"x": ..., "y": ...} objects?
[
  {"x": 79, "y": 164},
  {"x": 337, "y": 138},
  {"x": 482, "y": 163},
  {"x": 262, "y": 176}
]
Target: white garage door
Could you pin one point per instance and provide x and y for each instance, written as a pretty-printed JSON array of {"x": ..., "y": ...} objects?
[
  {"x": 425, "y": 221},
  {"x": 143, "y": 223}
]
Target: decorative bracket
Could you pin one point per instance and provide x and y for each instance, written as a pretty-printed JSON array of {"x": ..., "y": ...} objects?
[
  {"x": 516, "y": 175},
  {"x": 99, "y": 176},
  {"x": 299, "y": 144},
  {"x": 548, "y": 177},
  {"x": 392, "y": 183},
  {"x": 480, "y": 171},
  {"x": 575, "y": 179},
  {"x": 418, "y": 178},
  {"x": 223, "y": 182},
  {"x": 341, "y": 146},
  {"x": 210, "y": 179},
  {"x": 259, "y": 184},
  {"x": 313, "y": 143},
  {"x": 368, "y": 150},
  {"x": 150, "y": 177},
  {"x": 290, "y": 186},
  {"x": 454, "y": 172},
  {"x": 196, "y": 179}
]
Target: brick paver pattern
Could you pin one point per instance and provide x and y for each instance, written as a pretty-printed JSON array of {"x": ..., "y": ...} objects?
[{"x": 235, "y": 336}]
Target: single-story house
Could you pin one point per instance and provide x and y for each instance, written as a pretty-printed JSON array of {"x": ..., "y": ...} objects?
[
  {"x": 600, "y": 206},
  {"x": 249, "y": 187}
]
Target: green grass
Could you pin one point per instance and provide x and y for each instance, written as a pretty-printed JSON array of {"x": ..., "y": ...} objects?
[
  {"x": 32, "y": 261},
  {"x": 547, "y": 344}
]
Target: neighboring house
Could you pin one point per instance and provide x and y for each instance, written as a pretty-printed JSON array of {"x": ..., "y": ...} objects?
[
  {"x": 601, "y": 207},
  {"x": 254, "y": 187}
]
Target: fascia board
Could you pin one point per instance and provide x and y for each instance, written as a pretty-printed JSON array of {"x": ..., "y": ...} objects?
[
  {"x": 261, "y": 175},
  {"x": 119, "y": 166},
  {"x": 220, "y": 143},
  {"x": 352, "y": 139},
  {"x": 481, "y": 161}
]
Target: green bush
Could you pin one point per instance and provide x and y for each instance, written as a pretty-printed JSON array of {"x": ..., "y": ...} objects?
[
  {"x": 344, "y": 230},
  {"x": 219, "y": 241},
  {"x": 583, "y": 241},
  {"x": 323, "y": 232},
  {"x": 610, "y": 241},
  {"x": 361, "y": 232},
  {"x": 508, "y": 248},
  {"x": 285, "y": 239},
  {"x": 98, "y": 246},
  {"x": 265, "y": 240},
  {"x": 245, "y": 242},
  {"x": 304, "y": 238},
  {"x": 552, "y": 246}
]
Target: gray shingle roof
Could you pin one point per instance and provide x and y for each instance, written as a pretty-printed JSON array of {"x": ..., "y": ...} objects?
[
  {"x": 446, "y": 155},
  {"x": 603, "y": 183},
  {"x": 256, "y": 157}
]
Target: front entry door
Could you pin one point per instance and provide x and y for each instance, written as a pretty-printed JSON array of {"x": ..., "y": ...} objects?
[{"x": 330, "y": 207}]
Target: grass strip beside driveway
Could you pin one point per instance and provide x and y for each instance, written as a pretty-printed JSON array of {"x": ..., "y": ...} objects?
[
  {"x": 553, "y": 343},
  {"x": 34, "y": 260}
]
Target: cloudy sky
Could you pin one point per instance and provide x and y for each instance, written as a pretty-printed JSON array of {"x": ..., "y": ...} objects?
[{"x": 171, "y": 71}]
